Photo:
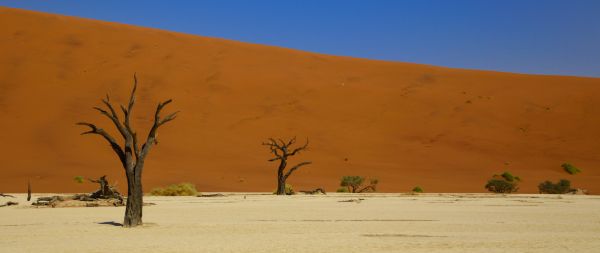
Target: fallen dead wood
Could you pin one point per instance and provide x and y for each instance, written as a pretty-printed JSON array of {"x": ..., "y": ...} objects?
[
  {"x": 6, "y": 195},
  {"x": 210, "y": 195},
  {"x": 352, "y": 200},
  {"x": 9, "y": 203},
  {"x": 107, "y": 195},
  {"x": 78, "y": 200},
  {"x": 315, "y": 191}
]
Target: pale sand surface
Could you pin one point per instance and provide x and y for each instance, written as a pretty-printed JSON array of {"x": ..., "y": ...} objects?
[{"x": 267, "y": 223}]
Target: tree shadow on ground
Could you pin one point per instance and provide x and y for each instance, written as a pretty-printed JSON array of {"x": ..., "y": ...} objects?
[{"x": 116, "y": 224}]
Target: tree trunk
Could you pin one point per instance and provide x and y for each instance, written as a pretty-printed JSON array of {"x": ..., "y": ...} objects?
[
  {"x": 133, "y": 210},
  {"x": 281, "y": 178}
]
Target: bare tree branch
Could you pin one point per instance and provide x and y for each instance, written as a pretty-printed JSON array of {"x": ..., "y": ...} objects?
[
  {"x": 113, "y": 143},
  {"x": 151, "y": 139},
  {"x": 295, "y": 168},
  {"x": 297, "y": 150},
  {"x": 113, "y": 116}
]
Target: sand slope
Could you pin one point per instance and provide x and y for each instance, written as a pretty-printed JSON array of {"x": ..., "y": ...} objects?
[{"x": 444, "y": 129}]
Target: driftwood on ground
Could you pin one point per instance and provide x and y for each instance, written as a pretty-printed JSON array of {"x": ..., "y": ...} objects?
[
  {"x": 211, "y": 195},
  {"x": 315, "y": 191},
  {"x": 105, "y": 191},
  {"x": 9, "y": 203},
  {"x": 352, "y": 200},
  {"x": 106, "y": 195}
]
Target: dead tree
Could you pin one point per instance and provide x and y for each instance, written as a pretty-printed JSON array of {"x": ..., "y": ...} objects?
[
  {"x": 282, "y": 151},
  {"x": 131, "y": 155}
]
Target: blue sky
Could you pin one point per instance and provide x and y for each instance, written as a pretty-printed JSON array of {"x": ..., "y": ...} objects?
[{"x": 559, "y": 37}]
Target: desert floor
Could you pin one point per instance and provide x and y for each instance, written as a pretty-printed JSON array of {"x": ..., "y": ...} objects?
[{"x": 250, "y": 222}]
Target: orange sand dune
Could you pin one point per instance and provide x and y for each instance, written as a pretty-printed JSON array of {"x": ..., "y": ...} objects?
[{"x": 446, "y": 130}]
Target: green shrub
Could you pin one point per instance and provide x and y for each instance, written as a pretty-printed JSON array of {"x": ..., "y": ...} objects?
[
  {"x": 353, "y": 184},
  {"x": 505, "y": 183},
  {"x": 563, "y": 186},
  {"x": 417, "y": 189},
  {"x": 78, "y": 179},
  {"x": 570, "y": 168},
  {"x": 181, "y": 189},
  {"x": 501, "y": 186},
  {"x": 289, "y": 190},
  {"x": 509, "y": 177},
  {"x": 342, "y": 189}
]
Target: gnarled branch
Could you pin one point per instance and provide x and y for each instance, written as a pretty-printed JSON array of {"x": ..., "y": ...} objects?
[
  {"x": 112, "y": 116},
  {"x": 297, "y": 150},
  {"x": 151, "y": 139},
  {"x": 113, "y": 143},
  {"x": 295, "y": 168}
]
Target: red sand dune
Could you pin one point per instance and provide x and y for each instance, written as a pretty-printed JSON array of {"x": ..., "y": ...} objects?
[{"x": 444, "y": 129}]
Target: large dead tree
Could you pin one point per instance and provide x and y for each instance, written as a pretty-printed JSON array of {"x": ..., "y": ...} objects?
[
  {"x": 282, "y": 151},
  {"x": 131, "y": 155}
]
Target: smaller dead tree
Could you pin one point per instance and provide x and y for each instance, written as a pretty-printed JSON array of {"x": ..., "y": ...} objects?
[{"x": 282, "y": 151}]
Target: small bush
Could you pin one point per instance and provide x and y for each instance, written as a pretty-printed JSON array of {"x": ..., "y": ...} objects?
[
  {"x": 501, "y": 186},
  {"x": 563, "y": 186},
  {"x": 78, "y": 179},
  {"x": 417, "y": 189},
  {"x": 352, "y": 181},
  {"x": 181, "y": 189},
  {"x": 505, "y": 183},
  {"x": 509, "y": 177},
  {"x": 570, "y": 168},
  {"x": 342, "y": 189},
  {"x": 289, "y": 190},
  {"x": 353, "y": 184}
]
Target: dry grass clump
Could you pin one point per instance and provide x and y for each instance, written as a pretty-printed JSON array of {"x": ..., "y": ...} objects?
[
  {"x": 181, "y": 189},
  {"x": 289, "y": 190}
]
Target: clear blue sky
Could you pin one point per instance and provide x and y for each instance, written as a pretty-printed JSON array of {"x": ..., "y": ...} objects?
[{"x": 527, "y": 36}]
